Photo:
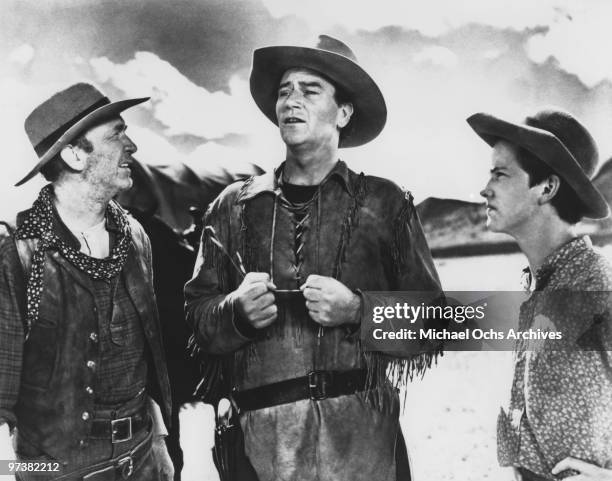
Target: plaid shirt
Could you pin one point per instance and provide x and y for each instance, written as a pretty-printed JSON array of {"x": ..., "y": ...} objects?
[
  {"x": 12, "y": 315},
  {"x": 561, "y": 400},
  {"x": 121, "y": 366}
]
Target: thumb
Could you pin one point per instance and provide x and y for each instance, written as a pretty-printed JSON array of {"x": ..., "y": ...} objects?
[{"x": 575, "y": 464}]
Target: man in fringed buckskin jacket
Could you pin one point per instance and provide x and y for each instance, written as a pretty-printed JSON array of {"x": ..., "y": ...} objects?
[
  {"x": 284, "y": 273},
  {"x": 81, "y": 350}
]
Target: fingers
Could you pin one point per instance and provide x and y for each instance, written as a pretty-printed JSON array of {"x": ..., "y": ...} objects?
[
  {"x": 254, "y": 291},
  {"x": 577, "y": 465},
  {"x": 258, "y": 277},
  {"x": 517, "y": 474},
  {"x": 260, "y": 311},
  {"x": 314, "y": 281},
  {"x": 311, "y": 294},
  {"x": 255, "y": 300},
  {"x": 266, "y": 317},
  {"x": 264, "y": 302}
]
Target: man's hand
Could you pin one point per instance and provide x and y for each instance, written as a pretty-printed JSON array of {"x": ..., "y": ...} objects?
[
  {"x": 588, "y": 471},
  {"x": 162, "y": 458},
  {"x": 6, "y": 446},
  {"x": 254, "y": 300},
  {"x": 517, "y": 476},
  {"x": 329, "y": 302}
]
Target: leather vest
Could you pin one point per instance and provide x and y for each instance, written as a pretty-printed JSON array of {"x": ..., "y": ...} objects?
[{"x": 55, "y": 405}]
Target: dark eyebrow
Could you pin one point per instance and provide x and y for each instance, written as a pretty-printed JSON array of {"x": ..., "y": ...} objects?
[
  {"x": 117, "y": 128},
  {"x": 311, "y": 84},
  {"x": 302, "y": 85}
]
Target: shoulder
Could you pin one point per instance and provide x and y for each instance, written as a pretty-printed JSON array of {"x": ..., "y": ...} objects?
[
  {"x": 9, "y": 256},
  {"x": 140, "y": 239},
  {"x": 6, "y": 238},
  {"x": 380, "y": 187},
  {"x": 590, "y": 270},
  {"x": 596, "y": 273},
  {"x": 387, "y": 196},
  {"x": 6, "y": 230},
  {"x": 231, "y": 194}
]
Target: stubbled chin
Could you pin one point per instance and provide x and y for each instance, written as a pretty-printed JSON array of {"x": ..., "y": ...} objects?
[
  {"x": 126, "y": 183},
  {"x": 292, "y": 138}
]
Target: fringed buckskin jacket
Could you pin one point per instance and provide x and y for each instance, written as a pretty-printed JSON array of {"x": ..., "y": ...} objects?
[{"x": 363, "y": 231}]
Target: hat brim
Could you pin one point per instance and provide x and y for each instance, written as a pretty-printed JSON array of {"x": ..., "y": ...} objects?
[
  {"x": 548, "y": 148},
  {"x": 89, "y": 120},
  {"x": 369, "y": 109}
]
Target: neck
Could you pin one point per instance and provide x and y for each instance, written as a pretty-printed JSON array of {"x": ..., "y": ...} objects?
[
  {"x": 77, "y": 206},
  {"x": 305, "y": 166},
  {"x": 542, "y": 238}
]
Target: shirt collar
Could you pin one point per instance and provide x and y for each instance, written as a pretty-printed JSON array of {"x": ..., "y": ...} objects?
[
  {"x": 62, "y": 230},
  {"x": 559, "y": 258},
  {"x": 271, "y": 181}
]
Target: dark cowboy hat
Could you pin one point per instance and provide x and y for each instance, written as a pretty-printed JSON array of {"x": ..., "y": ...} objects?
[
  {"x": 336, "y": 62},
  {"x": 559, "y": 140},
  {"x": 57, "y": 121}
]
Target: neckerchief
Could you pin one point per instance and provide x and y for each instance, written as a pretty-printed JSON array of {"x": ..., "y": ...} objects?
[{"x": 39, "y": 225}]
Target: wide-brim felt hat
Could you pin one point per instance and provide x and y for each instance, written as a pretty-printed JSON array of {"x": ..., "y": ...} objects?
[
  {"x": 559, "y": 140},
  {"x": 333, "y": 60},
  {"x": 56, "y": 122}
]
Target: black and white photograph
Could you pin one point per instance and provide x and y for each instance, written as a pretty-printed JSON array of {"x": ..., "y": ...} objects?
[{"x": 230, "y": 232}]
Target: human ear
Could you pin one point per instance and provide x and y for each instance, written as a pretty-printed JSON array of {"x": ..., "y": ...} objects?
[
  {"x": 549, "y": 188},
  {"x": 72, "y": 158},
  {"x": 345, "y": 112}
]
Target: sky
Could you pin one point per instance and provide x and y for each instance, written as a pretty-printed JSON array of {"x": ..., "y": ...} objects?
[{"x": 436, "y": 62}]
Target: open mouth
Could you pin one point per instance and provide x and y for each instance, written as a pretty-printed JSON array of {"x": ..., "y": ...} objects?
[
  {"x": 293, "y": 120},
  {"x": 124, "y": 165}
]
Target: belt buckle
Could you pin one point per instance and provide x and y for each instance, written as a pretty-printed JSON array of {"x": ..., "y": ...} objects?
[
  {"x": 126, "y": 465},
  {"x": 121, "y": 430},
  {"x": 317, "y": 384}
]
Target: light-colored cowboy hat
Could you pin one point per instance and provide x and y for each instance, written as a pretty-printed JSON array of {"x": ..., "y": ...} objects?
[
  {"x": 57, "y": 121},
  {"x": 558, "y": 139},
  {"x": 335, "y": 61}
]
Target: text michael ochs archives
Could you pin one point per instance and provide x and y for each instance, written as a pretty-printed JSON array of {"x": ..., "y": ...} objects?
[{"x": 391, "y": 324}]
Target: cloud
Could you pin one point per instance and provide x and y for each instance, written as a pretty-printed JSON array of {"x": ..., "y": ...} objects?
[
  {"x": 22, "y": 55},
  {"x": 436, "y": 63},
  {"x": 179, "y": 104},
  {"x": 438, "y": 56},
  {"x": 432, "y": 18},
  {"x": 579, "y": 42}
]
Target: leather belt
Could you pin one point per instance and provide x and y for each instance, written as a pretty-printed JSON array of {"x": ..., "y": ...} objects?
[
  {"x": 317, "y": 385},
  {"x": 120, "y": 468},
  {"x": 121, "y": 429}
]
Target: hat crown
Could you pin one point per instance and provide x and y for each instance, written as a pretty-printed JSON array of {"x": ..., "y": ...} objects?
[
  {"x": 61, "y": 110},
  {"x": 334, "y": 45},
  {"x": 572, "y": 134}
]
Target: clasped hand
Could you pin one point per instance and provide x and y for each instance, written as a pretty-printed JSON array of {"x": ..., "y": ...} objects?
[{"x": 329, "y": 302}]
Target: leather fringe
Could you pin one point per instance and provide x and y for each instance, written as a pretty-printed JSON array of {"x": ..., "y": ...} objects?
[
  {"x": 402, "y": 233},
  {"x": 383, "y": 368},
  {"x": 351, "y": 221}
]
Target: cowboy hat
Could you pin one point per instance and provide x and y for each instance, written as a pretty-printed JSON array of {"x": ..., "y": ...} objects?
[
  {"x": 560, "y": 141},
  {"x": 57, "y": 121},
  {"x": 335, "y": 61}
]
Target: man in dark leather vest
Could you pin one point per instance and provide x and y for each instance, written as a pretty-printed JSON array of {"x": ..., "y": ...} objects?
[
  {"x": 287, "y": 270},
  {"x": 82, "y": 356}
]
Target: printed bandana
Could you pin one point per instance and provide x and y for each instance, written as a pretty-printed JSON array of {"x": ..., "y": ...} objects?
[{"x": 39, "y": 224}]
